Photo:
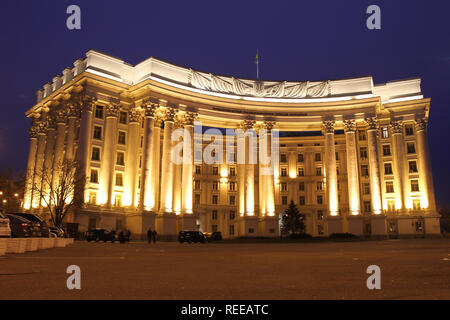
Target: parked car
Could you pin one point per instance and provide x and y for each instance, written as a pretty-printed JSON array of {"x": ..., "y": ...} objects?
[
  {"x": 57, "y": 232},
  {"x": 213, "y": 236},
  {"x": 43, "y": 225},
  {"x": 21, "y": 227},
  {"x": 124, "y": 236},
  {"x": 5, "y": 229},
  {"x": 191, "y": 236},
  {"x": 100, "y": 235}
]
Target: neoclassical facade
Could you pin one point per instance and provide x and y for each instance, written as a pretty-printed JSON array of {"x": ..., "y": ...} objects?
[{"x": 353, "y": 156}]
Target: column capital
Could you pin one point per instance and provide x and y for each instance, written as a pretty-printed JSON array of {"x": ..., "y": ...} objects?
[
  {"x": 42, "y": 128},
  {"x": 169, "y": 114},
  {"x": 396, "y": 127},
  {"x": 74, "y": 110},
  {"x": 134, "y": 114},
  {"x": 328, "y": 126},
  {"x": 421, "y": 124},
  {"x": 158, "y": 121},
  {"x": 372, "y": 123},
  {"x": 112, "y": 110},
  {"x": 61, "y": 116},
  {"x": 189, "y": 118},
  {"x": 150, "y": 107},
  {"x": 51, "y": 121},
  {"x": 247, "y": 124},
  {"x": 268, "y": 125},
  {"x": 34, "y": 130},
  {"x": 349, "y": 125}
]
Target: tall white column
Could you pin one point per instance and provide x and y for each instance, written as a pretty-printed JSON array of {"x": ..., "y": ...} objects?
[
  {"x": 61, "y": 119},
  {"x": 167, "y": 164},
  {"x": 241, "y": 169},
  {"x": 330, "y": 167},
  {"x": 39, "y": 163},
  {"x": 109, "y": 154},
  {"x": 74, "y": 114},
  {"x": 399, "y": 167},
  {"x": 250, "y": 161},
  {"x": 48, "y": 159},
  {"x": 188, "y": 163},
  {"x": 374, "y": 165},
  {"x": 84, "y": 142},
  {"x": 269, "y": 189},
  {"x": 147, "y": 193},
  {"x": 132, "y": 158},
  {"x": 426, "y": 185},
  {"x": 156, "y": 163},
  {"x": 31, "y": 164},
  {"x": 352, "y": 167}
]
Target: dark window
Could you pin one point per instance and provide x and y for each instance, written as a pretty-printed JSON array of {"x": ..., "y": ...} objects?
[
  {"x": 97, "y": 132},
  {"x": 99, "y": 112},
  {"x": 232, "y": 200},
  {"x": 411, "y": 148},
  {"x": 386, "y": 150},
  {"x": 123, "y": 117},
  {"x": 300, "y": 157},
  {"x": 412, "y": 167},
  {"x": 215, "y": 171},
  {"x": 409, "y": 130},
  {"x": 232, "y": 215},
  {"x": 415, "y": 186},
  {"x": 319, "y": 199},
  {"x": 119, "y": 180},
  {"x": 95, "y": 154},
  {"x": 214, "y": 215},
  {"x": 363, "y": 153},
  {"x": 122, "y": 137},
  {"x": 283, "y": 200},
  {"x": 283, "y": 158},
  {"x": 120, "y": 159},
  {"x": 389, "y": 187},
  {"x": 301, "y": 186},
  {"x": 387, "y": 168},
  {"x": 318, "y": 157},
  {"x": 301, "y": 172},
  {"x": 318, "y": 171},
  {"x": 302, "y": 200},
  {"x": 94, "y": 176},
  {"x": 364, "y": 171}
]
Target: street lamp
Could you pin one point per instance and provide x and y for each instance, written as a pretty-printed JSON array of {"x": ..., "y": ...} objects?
[
  {"x": 1, "y": 193},
  {"x": 16, "y": 195},
  {"x": 4, "y": 201}
]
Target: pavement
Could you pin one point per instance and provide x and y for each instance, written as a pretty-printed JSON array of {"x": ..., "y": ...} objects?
[{"x": 410, "y": 269}]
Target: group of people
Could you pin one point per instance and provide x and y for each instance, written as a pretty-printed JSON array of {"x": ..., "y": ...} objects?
[{"x": 151, "y": 235}]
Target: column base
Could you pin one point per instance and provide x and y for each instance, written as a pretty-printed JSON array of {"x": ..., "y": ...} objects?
[
  {"x": 356, "y": 225},
  {"x": 247, "y": 226},
  {"x": 166, "y": 226},
  {"x": 268, "y": 226},
  {"x": 334, "y": 225},
  {"x": 186, "y": 222},
  {"x": 378, "y": 226},
  {"x": 139, "y": 223}
]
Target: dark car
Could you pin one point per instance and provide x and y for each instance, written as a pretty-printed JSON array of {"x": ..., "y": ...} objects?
[
  {"x": 21, "y": 227},
  {"x": 213, "y": 236},
  {"x": 43, "y": 226},
  {"x": 100, "y": 235},
  {"x": 191, "y": 236}
]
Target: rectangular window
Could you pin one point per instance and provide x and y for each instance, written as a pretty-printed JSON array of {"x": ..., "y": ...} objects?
[
  {"x": 284, "y": 186},
  {"x": 97, "y": 132},
  {"x": 319, "y": 215},
  {"x": 215, "y": 171},
  {"x": 300, "y": 172},
  {"x": 231, "y": 230},
  {"x": 215, "y": 185},
  {"x": 99, "y": 112},
  {"x": 196, "y": 185},
  {"x": 301, "y": 200},
  {"x": 318, "y": 171},
  {"x": 411, "y": 148},
  {"x": 414, "y": 185},
  {"x": 337, "y": 156},
  {"x": 386, "y": 150},
  {"x": 198, "y": 169},
  {"x": 363, "y": 153},
  {"x": 412, "y": 167},
  {"x": 232, "y": 200},
  {"x": 319, "y": 186},
  {"x": 232, "y": 171},
  {"x": 214, "y": 215},
  {"x": 232, "y": 215},
  {"x": 92, "y": 198},
  {"x": 409, "y": 130},
  {"x": 95, "y": 154},
  {"x": 367, "y": 207},
  {"x": 283, "y": 172},
  {"x": 94, "y": 176},
  {"x": 362, "y": 135},
  {"x": 232, "y": 186},
  {"x": 284, "y": 200},
  {"x": 389, "y": 187},
  {"x": 319, "y": 199},
  {"x": 318, "y": 157},
  {"x": 120, "y": 159},
  {"x": 366, "y": 188},
  {"x": 301, "y": 186},
  {"x": 300, "y": 157},
  {"x": 416, "y": 204},
  {"x": 365, "y": 170},
  {"x": 215, "y": 199},
  {"x": 119, "y": 180},
  {"x": 122, "y": 137},
  {"x": 388, "y": 168},
  {"x": 197, "y": 199},
  {"x": 385, "y": 132},
  {"x": 123, "y": 117},
  {"x": 142, "y": 141},
  {"x": 283, "y": 158},
  {"x": 391, "y": 205}
]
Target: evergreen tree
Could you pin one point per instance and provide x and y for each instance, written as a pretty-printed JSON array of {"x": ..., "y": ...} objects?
[{"x": 293, "y": 220}]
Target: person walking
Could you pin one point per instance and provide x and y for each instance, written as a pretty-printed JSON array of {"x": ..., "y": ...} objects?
[
  {"x": 149, "y": 235},
  {"x": 154, "y": 236}
]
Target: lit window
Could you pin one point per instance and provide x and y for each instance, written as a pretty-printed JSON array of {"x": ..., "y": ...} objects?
[
  {"x": 197, "y": 185},
  {"x": 385, "y": 132}
]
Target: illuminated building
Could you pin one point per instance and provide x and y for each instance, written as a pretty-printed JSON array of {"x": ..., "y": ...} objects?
[{"x": 352, "y": 155}]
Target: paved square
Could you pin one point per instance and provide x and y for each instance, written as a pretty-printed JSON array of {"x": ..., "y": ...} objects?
[{"x": 410, "y": 269}]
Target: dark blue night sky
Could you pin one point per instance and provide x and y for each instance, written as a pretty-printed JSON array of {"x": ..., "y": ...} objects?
[{"x": 297, "y": 40}]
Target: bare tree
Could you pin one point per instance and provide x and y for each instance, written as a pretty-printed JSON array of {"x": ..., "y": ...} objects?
[{"x": 57, "y": 189}]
